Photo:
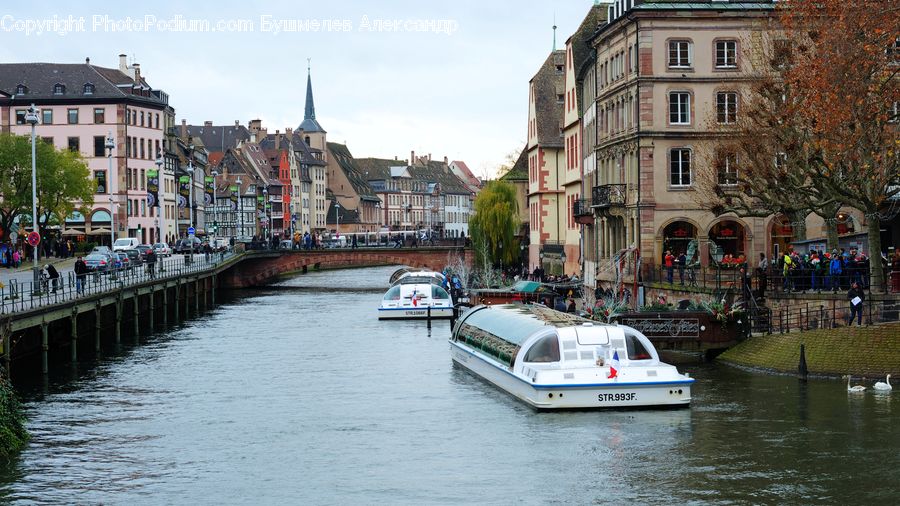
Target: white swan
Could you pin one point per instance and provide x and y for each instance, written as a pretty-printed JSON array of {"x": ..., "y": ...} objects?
[
  {"x": 884, "y": 386},
  {"x": 855, "y": 388}
]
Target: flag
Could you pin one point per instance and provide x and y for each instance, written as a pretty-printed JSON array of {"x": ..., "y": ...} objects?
[
  {"x": 415, "y": 300},
  {"x": 614, "y": 366}
]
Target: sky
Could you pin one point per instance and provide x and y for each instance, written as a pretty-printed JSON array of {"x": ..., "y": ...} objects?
[{"x": 448, "y": 78}]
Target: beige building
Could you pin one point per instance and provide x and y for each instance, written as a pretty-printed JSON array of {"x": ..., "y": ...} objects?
[{"x": 663, "y": 73}]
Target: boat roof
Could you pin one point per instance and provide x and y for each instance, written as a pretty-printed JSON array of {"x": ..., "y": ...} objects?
[
  {"x": 404, "y": 272},
  {"x": 517, "y": 322}
]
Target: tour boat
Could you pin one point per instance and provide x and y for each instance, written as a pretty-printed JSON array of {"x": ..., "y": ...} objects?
[
  {"x": 553, "y": 360},
  {"x": 416, "y": 295}
]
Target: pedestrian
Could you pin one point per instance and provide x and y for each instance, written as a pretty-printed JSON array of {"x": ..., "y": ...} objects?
[
  {"x": 787, "y": 265},
  {"x": 353, "y": 242},
  {"x": 856, "y": 296},
  {"x": 669, "y": 262},
  {"x": 80, "y": 275},
  {"x": 151, "y": 264},
  {"x": 570, "y": 308},
  {"x": 835, "y": 268},
  {"x": 681, "y": 261},
  {"x": 16, "y": 258},
  {"x": 762, "y": 271},
  {"x": 53, "y": 275}
]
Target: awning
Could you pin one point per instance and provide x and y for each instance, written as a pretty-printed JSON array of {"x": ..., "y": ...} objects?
[
  {"x": 73, "y": 232},
  {"x": 99, "y": 231}
]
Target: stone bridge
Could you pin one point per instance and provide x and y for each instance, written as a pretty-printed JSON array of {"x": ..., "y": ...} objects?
[{"x": 257, "y": 267}]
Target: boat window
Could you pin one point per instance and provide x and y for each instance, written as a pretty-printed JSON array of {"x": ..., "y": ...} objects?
[
  {"x": 439, "y": 293},
  {"x": 545, "y": 350},
  {"x": 636, "y": 349},
  {"x": 393, "y": 293}
]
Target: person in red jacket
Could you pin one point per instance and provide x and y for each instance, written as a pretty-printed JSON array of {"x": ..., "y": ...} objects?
[{"x": 670, "y": 265}]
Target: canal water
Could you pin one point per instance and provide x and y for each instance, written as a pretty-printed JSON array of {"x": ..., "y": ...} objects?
[{"x": 297, "y": 394}]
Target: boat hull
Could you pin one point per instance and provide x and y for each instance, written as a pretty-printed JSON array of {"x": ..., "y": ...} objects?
[
  {"x": 409, "y": 313},
  {"x": 612, "y": 394}
]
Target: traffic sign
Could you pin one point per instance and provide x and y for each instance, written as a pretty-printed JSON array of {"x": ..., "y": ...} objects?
[
  {"x": 34, "y": 239},
  {"x": 191, "y": 230}
]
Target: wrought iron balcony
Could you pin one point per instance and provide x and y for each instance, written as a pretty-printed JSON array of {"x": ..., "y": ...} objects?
[
  {"x": 608, "y": 195},
  {"x": 582, "y": 212}
]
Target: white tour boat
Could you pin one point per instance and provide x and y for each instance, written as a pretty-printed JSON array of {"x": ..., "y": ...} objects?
[
  {"x": 554, "y": 360},
  {"x": 413, "y": 293}
]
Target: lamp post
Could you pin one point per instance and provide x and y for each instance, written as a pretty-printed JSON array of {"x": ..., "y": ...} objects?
[
  {"x": 190, "y": 171},
  {"x": 215, "y": 174},
  {"x": 31, "y": 117},
  {"x": 266, "y": 216},
  {"x": 337, "y": 217},
  {"x": 160, "y": 208},
  {"x": 562, "y": 259},
  {"x": 408, "y": 207},
  {"x": 112, "y": 232},
  {"x": 541, "y": 264},
  {"x": 240, "y": 207},
  {"x": 377, "y": 221}
]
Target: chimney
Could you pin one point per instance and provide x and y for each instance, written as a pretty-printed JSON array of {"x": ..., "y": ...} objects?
[
  {"x": 87, "y": 61},
  {"x": 288, "y": 131},
  {"x": 395, "y": 157},
  {"x": 277, "y": 139},
  {"x": 429, "y": 157},
  {"x": 183, "y": 128},
  {"x": 237, "y": 123},
  {"x": 207, "y": 123},
  {"x": 255, "y": 125},
  {"x": 412, "y": 157},
  {"x": 445, "y": 161},
  {"x": 137, "y": 74},
  {"x": 123, "y": 63}
]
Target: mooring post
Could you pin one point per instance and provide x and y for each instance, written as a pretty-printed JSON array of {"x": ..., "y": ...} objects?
[
  {"x": 187, "y": 299},
  {"x": 45, "y": 347},
  {"x": 212, "y": 290},
  {"x": 175, "y": 297},
  {"x": 165, "y": 308},
  {"x": 119, "y": 304},
  {"x": 205, "y": 295},
  {"x": 137, "y": 313},
  {"x": 152, "y": 307},
  {"x": 196, "y": 296},
  {"x": 429, "y": 316},
  {"x": 74, "y": 320},
  {"x": 98, "y": 325}
]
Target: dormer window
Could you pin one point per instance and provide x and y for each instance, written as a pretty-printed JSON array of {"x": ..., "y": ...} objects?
[
  {"x": 59, "y": 89},
  {"x": 88, "y": 88},
  {"x": 21, "y": 89}
]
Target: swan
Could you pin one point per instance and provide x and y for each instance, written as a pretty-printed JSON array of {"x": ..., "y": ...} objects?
[
  {"x": 855, "y": 388},
  {"x": 885, "y": 385}
]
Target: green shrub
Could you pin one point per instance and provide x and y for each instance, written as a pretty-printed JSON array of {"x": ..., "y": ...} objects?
[{"x": 13, "y": 435}]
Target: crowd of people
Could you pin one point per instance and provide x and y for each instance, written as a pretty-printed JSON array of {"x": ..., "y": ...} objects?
[{"x": 822, "y": 270}]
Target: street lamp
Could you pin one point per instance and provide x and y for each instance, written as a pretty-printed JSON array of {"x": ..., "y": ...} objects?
[
  {"x": 337, "y": 217},
  {"x": 407, "y": 206},
  {"x": 562, "y": 258},
  {"x": 215, "y": 174},
  {"x": 240, "y": 206},
  {"x": 160, "y": 208},
  {"x": 190, "y": 171},
  {"x": 266, "y": 215},
  {"x": 112, "y": 232},
  {"x": 31, "y": 117}
]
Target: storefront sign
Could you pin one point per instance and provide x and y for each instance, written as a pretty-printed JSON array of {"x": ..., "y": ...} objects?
[{"x": 665, "y": 327}]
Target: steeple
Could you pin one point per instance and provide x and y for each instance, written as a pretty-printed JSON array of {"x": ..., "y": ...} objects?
[{"x": 309, "y": 114}]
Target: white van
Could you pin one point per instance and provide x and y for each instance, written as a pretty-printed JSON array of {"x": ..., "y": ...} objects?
[{"x": 125, "y": 243}]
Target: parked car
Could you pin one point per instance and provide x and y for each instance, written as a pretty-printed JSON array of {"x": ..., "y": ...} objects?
[
  {"x": 134, "y": 257},
  {"x": 98, "y": 262},
  {"x": 125, "y": 243},
  {"x": 102, "y": 250},
  {"x": 143, "y": 249},
  {"x": 162, "y": 249},
  {"x": 184, "y": 245}
]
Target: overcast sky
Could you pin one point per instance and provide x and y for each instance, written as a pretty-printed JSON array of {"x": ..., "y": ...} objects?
[{"x": 384, "y": 93}]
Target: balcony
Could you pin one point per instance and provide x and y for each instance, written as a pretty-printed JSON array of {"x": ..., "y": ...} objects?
[
  {"x": 608, "y": 195},
  {"x": 582, "y": 213}
]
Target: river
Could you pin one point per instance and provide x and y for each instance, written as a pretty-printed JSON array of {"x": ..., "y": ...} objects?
[{"x": 297, "y": 394}]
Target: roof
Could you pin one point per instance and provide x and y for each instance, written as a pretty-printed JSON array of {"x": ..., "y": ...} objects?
[
  {"x": 309, "y": 123},
  {"x": 221, "y": 137},
  {"x": 519, "y": 170},
  {"x": 341, "y": 155},
  {"x": 549, "y": 111},
  {"x": 41, "y": 78},
  {"x": 582, "y": 51}
]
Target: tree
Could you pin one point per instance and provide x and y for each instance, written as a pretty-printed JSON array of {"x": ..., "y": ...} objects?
[
  {"x": 494, "y": 224},
  {"x": 63, "y": 182},
  {"x": 844, "y": 72}
]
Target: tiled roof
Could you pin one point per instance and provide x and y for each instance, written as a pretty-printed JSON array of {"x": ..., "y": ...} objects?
[
  {"x": 219, "y": 137},
  {"x": 41, "y": 78},
  {"x": 357, "y": 178},
  {"x": 549, "y": 84},
  {"x": 519, "y": 170},
  {"x": 582, "y": 50}
]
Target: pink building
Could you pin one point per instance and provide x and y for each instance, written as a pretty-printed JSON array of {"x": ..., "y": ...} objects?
[{"x": 81, "y": 104}]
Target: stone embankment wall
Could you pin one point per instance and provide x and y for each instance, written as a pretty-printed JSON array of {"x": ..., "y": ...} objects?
[{"x": 861, "y": 351}]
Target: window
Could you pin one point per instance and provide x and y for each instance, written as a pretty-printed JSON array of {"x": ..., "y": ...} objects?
[
  {"x": 781, "y": 53},
  {"x": 545, "y": 350},
  {"x": 157, "y": 123},
  {"x": 88, "y": 89},
  {"x": 99, "y": 145},
  {"x": 560, "y": 99},
  {"x": 726, "y": 107},
  {"x": 99, "y": 116},
  {"x": 680, "y": 167},
  {"x": 21, "y": 89},
  {"x": 636, "y": 349},
  {"x": 559, "y": 69},
  {"x": 679, "y": 54},
  {"x": 727, "y": 169},
  {"x": 100, "y": 178},
  {"x": 73, "y": 116},
  {"x": 726, "y": 54},
  {"x": 46, "y": 116},
  {"x": 143, "y": 153},
  {"x": 59, "y": 89},
  {"x": 74, "y": 143},
  {"x": 20, "y": 116},
  {"x": 142, "y": 118},
  {"x": 679, "y": 108}
]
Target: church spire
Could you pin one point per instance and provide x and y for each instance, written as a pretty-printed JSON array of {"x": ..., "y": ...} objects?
[{"x": 309, "y": 113}]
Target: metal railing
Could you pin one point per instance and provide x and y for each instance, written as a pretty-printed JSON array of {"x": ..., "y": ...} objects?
[
  {"x": 825, "y": 314},
  {"x": 17, "y": 296},
  {"x": 608, "y": 195},
  {"x": 582, "y": 207}
]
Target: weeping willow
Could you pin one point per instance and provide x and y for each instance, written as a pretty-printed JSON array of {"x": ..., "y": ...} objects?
[{"x": 494, "y": 224}]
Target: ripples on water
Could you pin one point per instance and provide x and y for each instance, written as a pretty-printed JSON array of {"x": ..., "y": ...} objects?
[{"x": 299, "y": 395}]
